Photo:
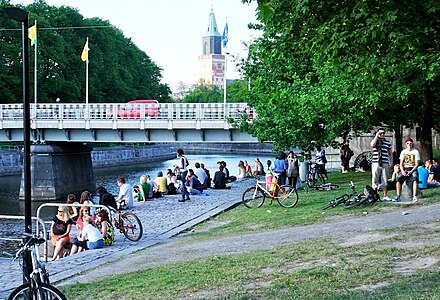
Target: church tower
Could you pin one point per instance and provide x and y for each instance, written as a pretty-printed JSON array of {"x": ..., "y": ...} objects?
[{"x": 212, "y": 62}]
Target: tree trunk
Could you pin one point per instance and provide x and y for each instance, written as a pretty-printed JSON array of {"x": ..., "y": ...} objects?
[
  {"x": 426, "y": 125},
  {"x": 398, "y": 138}
]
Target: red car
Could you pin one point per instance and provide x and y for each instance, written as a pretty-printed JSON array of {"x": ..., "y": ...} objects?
[{"x": 134, "y": 109}]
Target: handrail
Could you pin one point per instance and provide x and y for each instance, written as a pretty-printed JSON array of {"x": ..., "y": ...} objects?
[
  {"x": 36, "y": 219},
  {"x": 127, "y": 111}
]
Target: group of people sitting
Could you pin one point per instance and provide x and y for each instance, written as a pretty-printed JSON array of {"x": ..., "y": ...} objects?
[
  {"x": 428, "y": 175},
  {"x": 93, "y": 226}
]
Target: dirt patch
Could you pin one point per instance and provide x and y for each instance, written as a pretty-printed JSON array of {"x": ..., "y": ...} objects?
[
  {"x": 365, "y": 238},
  {"x": 409, "y": 266}
]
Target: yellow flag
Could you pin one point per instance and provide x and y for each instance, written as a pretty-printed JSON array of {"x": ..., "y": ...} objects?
[
  {"x": 32, "y": 31},
  {"x": 85, "y": 53}
]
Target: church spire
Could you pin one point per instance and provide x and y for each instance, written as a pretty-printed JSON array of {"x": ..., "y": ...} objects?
[{"x": 212, "y": 37}]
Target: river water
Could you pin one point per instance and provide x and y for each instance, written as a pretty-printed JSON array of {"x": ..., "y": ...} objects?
[{"x": 9, "y": 185}]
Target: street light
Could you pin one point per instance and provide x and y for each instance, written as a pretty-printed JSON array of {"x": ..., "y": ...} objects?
[{"x": 22, "y": 16}]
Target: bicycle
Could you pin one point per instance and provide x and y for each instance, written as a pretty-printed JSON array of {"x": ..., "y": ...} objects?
[
  {"x": 341, "y": 199},
  {"x": 314, "y": 176},
  {"x": 128, "y": 224},
  {"x": 37, "y": 284},
  {"x": 286, "y": 195},
  {"x": 369, "y": 196}
]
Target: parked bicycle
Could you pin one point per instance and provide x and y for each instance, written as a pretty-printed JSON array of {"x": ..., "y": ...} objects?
[
  {"x": 286, "y": 195},
  {"x": 314, "y": 176},
  {"x": 128, "y": 224},
  {"x": 315, "y": 180},
  {"x": 37, "y": 284}
]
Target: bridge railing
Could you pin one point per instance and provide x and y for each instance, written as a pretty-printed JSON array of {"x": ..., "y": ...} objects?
[{"x": 125, "y": 111}]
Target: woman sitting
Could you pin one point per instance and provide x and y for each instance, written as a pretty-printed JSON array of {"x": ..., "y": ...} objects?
[
  {"x": 241, "y": 170},
  {"x": 193, "y": 185},
  {"x": 103, "y": 224},
  {"x": 91, "y": 237},
  {"x": 60, "y": 228}
]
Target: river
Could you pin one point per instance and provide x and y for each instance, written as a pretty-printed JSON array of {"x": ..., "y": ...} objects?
[{"x": 9, "y": 185}]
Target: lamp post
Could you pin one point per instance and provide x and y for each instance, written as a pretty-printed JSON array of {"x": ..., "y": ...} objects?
[{"x": 22, "y": 16}]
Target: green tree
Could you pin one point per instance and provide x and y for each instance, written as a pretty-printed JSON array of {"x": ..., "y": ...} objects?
[
  {"x": 237, "y": 91},
  {"x": 323, "y": 69},
  {"x": 118, "y": 70},
  {"x": 203, "y": 93}
]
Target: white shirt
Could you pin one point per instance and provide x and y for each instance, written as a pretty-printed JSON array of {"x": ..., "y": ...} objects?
[
  {"x": 201, "y": 175},
  {"x": 125, "y": 191},
  {"x": 91, "y": 233}
]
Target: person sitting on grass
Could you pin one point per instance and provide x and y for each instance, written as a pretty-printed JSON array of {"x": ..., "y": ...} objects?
[{"x": 91, "y": 237}]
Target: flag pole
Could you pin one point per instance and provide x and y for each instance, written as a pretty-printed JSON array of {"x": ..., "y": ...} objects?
[
  {"x": 224, "y": 84},
  {"x": 35, "y": 72},
  {"x": 225, "y": 38},
  {"x": 87, "y": 77}
]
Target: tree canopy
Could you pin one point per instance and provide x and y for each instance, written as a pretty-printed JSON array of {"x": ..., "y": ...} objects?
[
  {"x": 118, "y": 70},
  {"x": 325, "y": 69}
]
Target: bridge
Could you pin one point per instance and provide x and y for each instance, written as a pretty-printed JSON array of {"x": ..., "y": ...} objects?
[
  {"x": 122, "y": 122},
  {"x": 63, "y": 133}
]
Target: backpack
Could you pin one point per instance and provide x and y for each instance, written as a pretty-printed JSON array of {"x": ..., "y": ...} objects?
[
  {"x": 110, "y": 236},
  {"x": 372, "y": 195}
]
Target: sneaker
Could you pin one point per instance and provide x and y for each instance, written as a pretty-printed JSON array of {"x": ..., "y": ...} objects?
[
  {"x": 415, "y": 199},
  {"x": 396, "y": 199},
  {"x": 386, "y": 198}
]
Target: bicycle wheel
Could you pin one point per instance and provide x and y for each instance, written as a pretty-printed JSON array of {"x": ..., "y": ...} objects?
[
  {"x": 46, "y": 292},
  {"x": 335, "y": 202},
  {"x": 320, "y": 178},
  {"x": 253, "y": 197},
  {"x": 132, "y": 227},
  {"x": 311, "y": 181},
  {"x": 287, "y": 196},
  {"x": 354, "y": 202}
]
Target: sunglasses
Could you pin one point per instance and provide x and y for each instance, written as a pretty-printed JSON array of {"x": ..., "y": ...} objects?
[{"x": 381, "y": 132}]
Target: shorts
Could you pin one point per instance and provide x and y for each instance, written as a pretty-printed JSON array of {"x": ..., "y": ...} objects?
[
  {"x": 411, "y": 178},
  {"x": 380, "y": 174},
  {"x": 54, "y": 237}
]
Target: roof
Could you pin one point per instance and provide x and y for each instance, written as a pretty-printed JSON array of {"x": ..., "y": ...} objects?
[{"x": 212, "y": 26}]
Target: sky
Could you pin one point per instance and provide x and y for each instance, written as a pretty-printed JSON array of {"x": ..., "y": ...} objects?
[{"x": 170, "y": 31}]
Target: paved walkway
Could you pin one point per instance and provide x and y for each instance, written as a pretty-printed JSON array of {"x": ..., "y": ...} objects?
[{"x": 161, "y": 219}]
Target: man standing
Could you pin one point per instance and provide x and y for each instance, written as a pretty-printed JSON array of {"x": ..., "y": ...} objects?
[
  {"x": 409, "y": 159},
  {"x": 380, "y": 167},
  {"x": 125, "y": 197}
]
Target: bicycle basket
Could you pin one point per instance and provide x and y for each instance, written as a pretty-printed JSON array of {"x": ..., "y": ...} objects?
[{"x": 371, "y": 193}]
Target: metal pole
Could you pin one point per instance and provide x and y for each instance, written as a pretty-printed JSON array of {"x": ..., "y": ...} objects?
[
  {"x": 23, "y": 16},
  {"x": 224, "y": 84}
]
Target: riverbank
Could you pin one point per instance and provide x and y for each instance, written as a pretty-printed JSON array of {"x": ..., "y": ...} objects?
[
  {"x": 11, "y": 161},
  {"x": 161, "y": 218}
]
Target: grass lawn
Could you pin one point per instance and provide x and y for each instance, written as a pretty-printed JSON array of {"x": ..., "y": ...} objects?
[{"x": 402, "y": 264}]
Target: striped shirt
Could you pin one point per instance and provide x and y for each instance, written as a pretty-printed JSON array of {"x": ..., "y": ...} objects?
[{"x": 380, "y": 152}]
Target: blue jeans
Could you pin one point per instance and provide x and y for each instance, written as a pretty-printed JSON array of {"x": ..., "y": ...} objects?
[
  {"x": 185, "y": 193},
  {"x": 95, "y": 245}
]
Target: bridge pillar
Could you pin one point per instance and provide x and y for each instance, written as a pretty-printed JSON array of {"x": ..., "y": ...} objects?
[{"x": 60, "y": 169}]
